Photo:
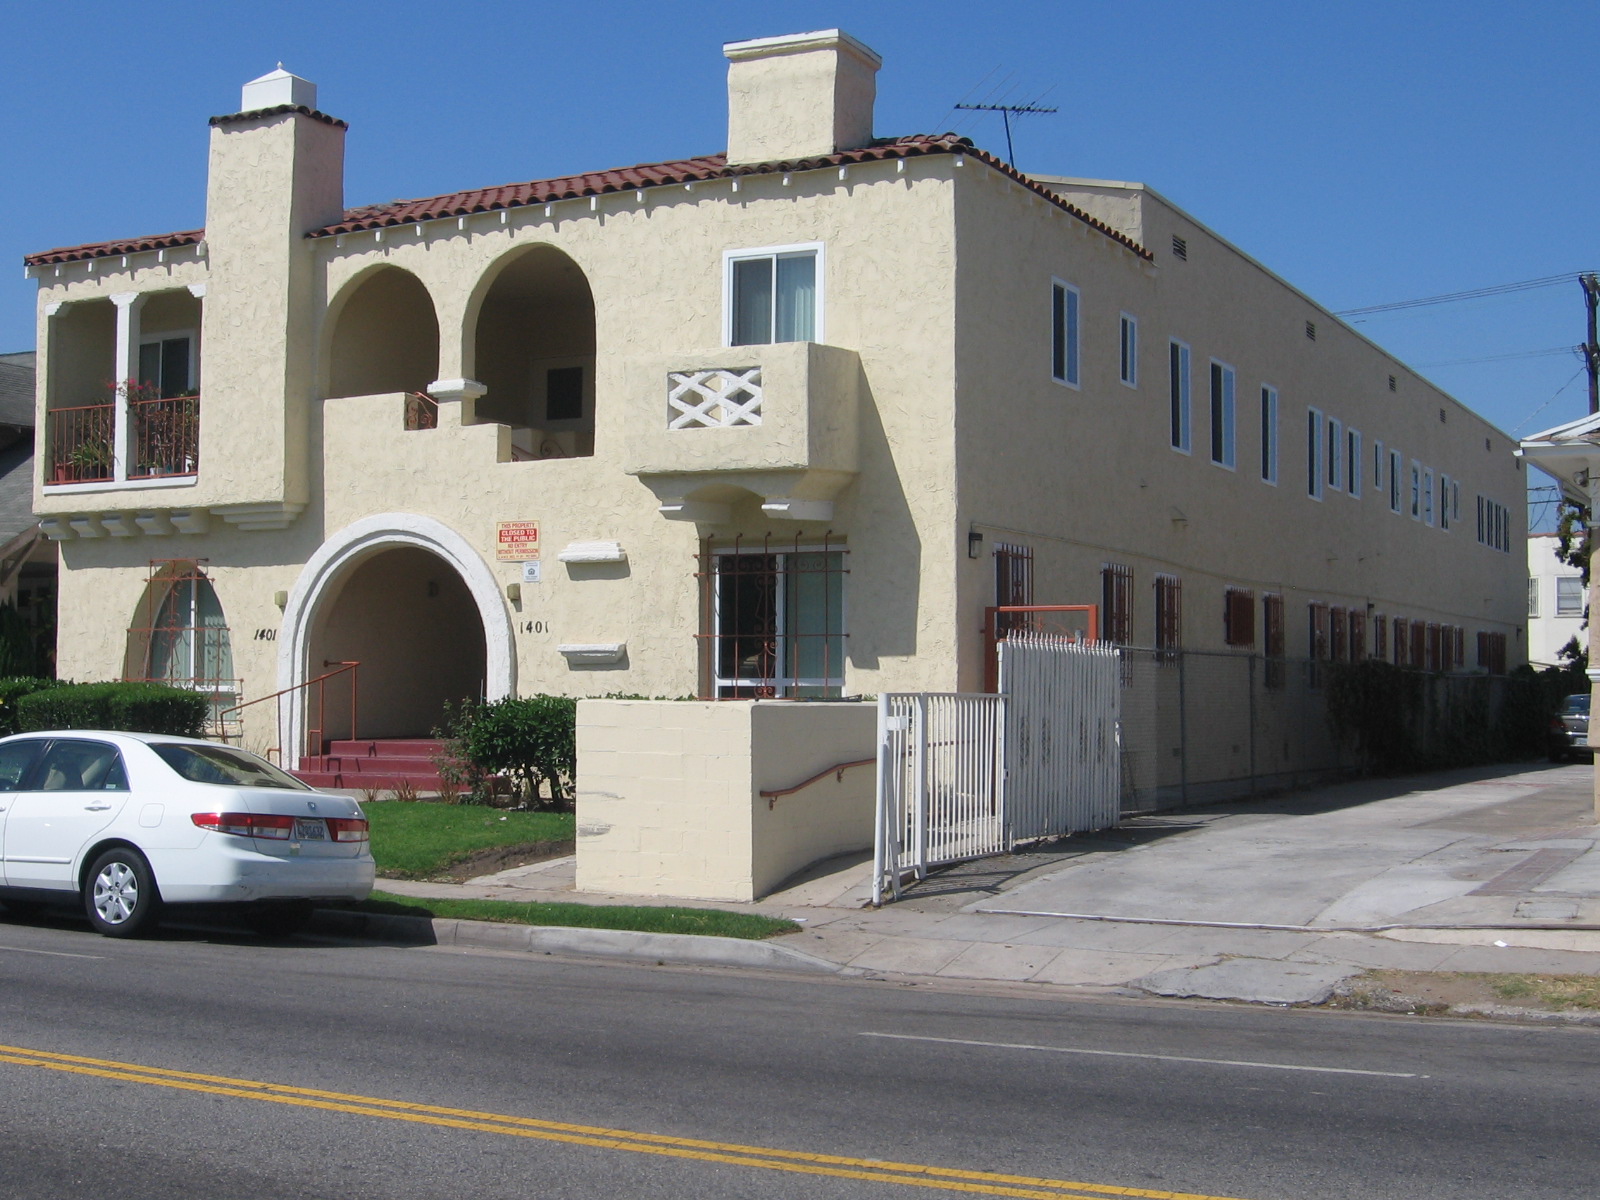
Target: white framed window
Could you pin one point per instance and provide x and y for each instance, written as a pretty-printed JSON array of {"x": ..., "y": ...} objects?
[
  {"x": 1314, "y": 466},
  {"x": 1396, "y": 464},
  {"x": 1427, "y": 495},
  {"x": 1065, "y": 301},
  {"x": 1352, "y": 463},
  {"x": 168, "y": 367},
  {"x": 1223, "y": 450},
  {"x": 1130, "y": 351},
  {"x": 777, "y": 622},
  {"x": 1416, "y": 490},
  {"x": 1533, "y": 595},
  {"x": 1335, "y": 454},
  {"x": 1178, "y": 392},
  {"x": 1569, "y": 595},
  {"x": 1269, "y": 434},
  {"x": 773, "y": 294}
]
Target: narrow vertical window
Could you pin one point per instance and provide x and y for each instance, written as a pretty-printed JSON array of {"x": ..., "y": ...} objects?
[
  {"x": 1013, "y": 585},
  {"x": 1222, "y": 415},
  {"x": 1239, "y": 617},
  {"x": 1377, "y": 465},
  {"x": 1178, "y": 381},
  {"x": 1444, "y": 501},
  {"x": 1116, "y": 593},
  {"x": 1416, "y": 490},
  {"x": 1395, "y": 461},
  {"x": 1272, "y": 631},
  {"x": 1427, "y": 496},
  {"x": 1169, "y": 614},
  {"x": 1314, "y": 454},
  {"x": 1352, "y": 462},
  {"x": 1130, "y": 351},
  {"x": 1533, "y": 596},
  {"x": 1269, "y": 434},
  {"x": 1335, "y": 453},
  {"x": 1064, "y": 333}
]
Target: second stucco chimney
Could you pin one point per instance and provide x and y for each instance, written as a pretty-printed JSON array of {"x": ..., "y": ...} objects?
[{"x": 799, "y": 96}]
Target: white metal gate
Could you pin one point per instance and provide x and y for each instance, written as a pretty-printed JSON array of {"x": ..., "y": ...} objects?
[{"x": 963, "y": 776}]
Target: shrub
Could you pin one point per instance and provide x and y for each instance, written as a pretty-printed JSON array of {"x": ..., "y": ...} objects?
[
  {"x": 529, "y": 741},
  {"x": 12, "y": 690},
  {"x": 133, "y": 707}
]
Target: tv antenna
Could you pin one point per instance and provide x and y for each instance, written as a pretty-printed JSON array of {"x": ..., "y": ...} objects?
[{"x": 1005, "y": 111}]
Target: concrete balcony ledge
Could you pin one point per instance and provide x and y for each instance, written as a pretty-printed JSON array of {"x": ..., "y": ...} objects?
[{"x": 778, "y": 421}]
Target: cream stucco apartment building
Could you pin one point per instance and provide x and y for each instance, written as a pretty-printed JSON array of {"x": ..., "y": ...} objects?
[{"x": 779, "y": 422}]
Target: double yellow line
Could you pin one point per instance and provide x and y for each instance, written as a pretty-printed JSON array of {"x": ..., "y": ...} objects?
[{"x": 946, "y": 1179}]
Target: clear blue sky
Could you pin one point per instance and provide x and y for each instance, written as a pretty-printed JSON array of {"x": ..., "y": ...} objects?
[{"x": 1366, "y": 151}]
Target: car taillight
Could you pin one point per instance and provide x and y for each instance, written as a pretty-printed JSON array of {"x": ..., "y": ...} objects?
[
  {"x": 347, "y": 829},
  {"x": 261, "y": 825}
]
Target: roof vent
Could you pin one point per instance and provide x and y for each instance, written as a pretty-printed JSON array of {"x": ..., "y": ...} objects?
[
  {"x": 1180, "y": 248},
  {"x": 277, "y": 88},
  {"x": 1311, "y": 331}
]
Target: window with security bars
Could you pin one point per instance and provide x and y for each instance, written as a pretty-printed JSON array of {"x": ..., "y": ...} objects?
[
  {"x": 1492, "y": 652},
  {"x": 1337, "y": 629},
  {"x": 1239, "y": 617},
  {"x": 1116, "y": 604},
  {"x": 1013, "y": 585},
  {"x": 1402, "y": 642},
  {"x": 772, "y": 619},
  {"x": 1169, "y": 614},
  {"x": 179, "y": 635},
  {"x": 1569, "y": 595},
  {"x": 1317, "y": 632},
  {"x": 1419, "y": 644},
  {"x": 1358, "y": 635},
  {"x": 1272, "y": 631},
  {"x": 1460, "y": 646},
  {"x": 1380, "y": 638}
]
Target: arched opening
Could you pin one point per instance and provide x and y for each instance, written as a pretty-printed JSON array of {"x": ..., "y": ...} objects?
[
  {"x": 179, "y": 635},
  {"x": 413, "y": 624},
  {"x": 535, "y": 351},
  {"x": 385, "y": 337}
]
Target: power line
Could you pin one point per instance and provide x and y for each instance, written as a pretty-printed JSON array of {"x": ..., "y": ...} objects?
[
  {"x": 1500, "y": 289},
  {"x": 1461, "y": 362}
]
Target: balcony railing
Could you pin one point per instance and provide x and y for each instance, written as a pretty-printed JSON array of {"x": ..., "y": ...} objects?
[
  {"x": 163, "y": 439},
  {"x": 81, "y": 441},
  {"x": 165, "y": 436}
]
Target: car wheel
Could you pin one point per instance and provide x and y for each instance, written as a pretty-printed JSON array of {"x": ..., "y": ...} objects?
[
  {"x": 119, "y": 894},
  {"x": 278, "y": 920}
]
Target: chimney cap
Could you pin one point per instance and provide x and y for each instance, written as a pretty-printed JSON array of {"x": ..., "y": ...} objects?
[
  {"x": 276, "y": 89},
  {"x": 800, "y": 43}
]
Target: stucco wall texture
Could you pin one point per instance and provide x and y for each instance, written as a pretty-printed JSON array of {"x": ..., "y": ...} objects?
[{"x": 926, "y": 412}]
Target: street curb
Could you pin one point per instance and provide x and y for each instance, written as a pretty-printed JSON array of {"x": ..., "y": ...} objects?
[{"x": 677, "y": 949}]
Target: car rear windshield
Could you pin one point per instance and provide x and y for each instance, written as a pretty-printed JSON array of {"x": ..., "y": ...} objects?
[
  {"x": 1578, "y": 704},
  {"x": 224, "y": 765}
]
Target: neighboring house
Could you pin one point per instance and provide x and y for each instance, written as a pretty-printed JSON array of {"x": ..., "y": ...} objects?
[
  {"x": 1557, "y": 603},
  {"x": 776, "y": 422},
  {"x": 27, "y": 558}
]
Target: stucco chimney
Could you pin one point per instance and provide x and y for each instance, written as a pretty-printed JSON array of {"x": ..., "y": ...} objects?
[{"x": 799, "y": 96}]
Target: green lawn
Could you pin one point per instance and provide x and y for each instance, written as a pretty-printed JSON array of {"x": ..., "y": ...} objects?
[
  {"x": 713, "y": 921},
  {"x": 417, "y": 841}
]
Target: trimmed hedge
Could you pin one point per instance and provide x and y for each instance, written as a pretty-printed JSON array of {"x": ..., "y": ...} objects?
[
  {"x": 131, "y": 707},
  {"x": 11, "y": 691}
]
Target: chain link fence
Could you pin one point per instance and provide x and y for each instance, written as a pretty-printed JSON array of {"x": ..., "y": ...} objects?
[{"x": 1202, "y": 727}]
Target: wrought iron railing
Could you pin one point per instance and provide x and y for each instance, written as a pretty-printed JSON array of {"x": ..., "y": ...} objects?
[
  {"x": 313, "y": 742},
  {"x": 81, "y": 443},
  {"x": 165, "y": 436},
  {"x": 422, "y": 411}
]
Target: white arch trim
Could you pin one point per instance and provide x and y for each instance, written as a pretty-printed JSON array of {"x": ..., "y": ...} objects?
[{"x": 359, "y": 541}]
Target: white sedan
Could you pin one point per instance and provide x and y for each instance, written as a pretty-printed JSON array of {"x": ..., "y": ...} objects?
[{"x": 130, "y": 822}]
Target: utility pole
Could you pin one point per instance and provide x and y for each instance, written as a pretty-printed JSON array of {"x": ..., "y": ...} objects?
[
  {"x": 1005, "y": 111},
  {"x": 1591, "y": 346}
]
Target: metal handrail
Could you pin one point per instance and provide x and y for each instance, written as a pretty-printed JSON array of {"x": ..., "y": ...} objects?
[
  {"x": 321, "y": 684},
  {"x": 422, "y": 411},
  {"x": 772, "y": 795}
]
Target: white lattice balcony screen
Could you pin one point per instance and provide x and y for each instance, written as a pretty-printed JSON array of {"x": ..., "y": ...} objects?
[{"x": 714, "y": 399}]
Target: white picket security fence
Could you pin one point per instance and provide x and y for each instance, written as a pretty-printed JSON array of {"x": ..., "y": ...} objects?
[
  {"x": 1063, "y": 713},
  {"x": 964, "y": 776}
]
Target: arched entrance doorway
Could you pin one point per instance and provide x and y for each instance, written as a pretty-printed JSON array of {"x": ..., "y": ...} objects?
[{"x": 416, "y": 606}]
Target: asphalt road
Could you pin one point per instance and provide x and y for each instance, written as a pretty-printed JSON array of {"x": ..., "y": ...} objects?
[{"x": 139, "y": 1069}]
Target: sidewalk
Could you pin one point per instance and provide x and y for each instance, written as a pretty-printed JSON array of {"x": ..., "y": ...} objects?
[{"x": 1275, "y": 900}]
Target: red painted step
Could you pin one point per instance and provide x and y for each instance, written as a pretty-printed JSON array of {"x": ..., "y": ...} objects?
[{"x": 375, "y": 763}]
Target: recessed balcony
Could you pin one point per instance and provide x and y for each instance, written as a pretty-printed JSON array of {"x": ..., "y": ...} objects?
[
  {"x": 162, "y": 437},
  {"x": 778, "y": 421}
]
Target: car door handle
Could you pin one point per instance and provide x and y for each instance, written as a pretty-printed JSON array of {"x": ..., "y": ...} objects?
[{"x": 95, "y": 807}]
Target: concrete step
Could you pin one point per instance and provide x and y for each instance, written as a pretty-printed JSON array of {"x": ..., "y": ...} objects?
[
  {"x": 424, "y": 748},
  {"x": 337, "y": 779}
]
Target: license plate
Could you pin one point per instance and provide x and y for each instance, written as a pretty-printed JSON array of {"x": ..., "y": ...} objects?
[{"x": 310, "y": 829}]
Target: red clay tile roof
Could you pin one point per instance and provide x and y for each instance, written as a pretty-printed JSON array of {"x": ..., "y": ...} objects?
[
  {"x": 543, "y": 191},
  {"x": 155, "y": 241}
]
